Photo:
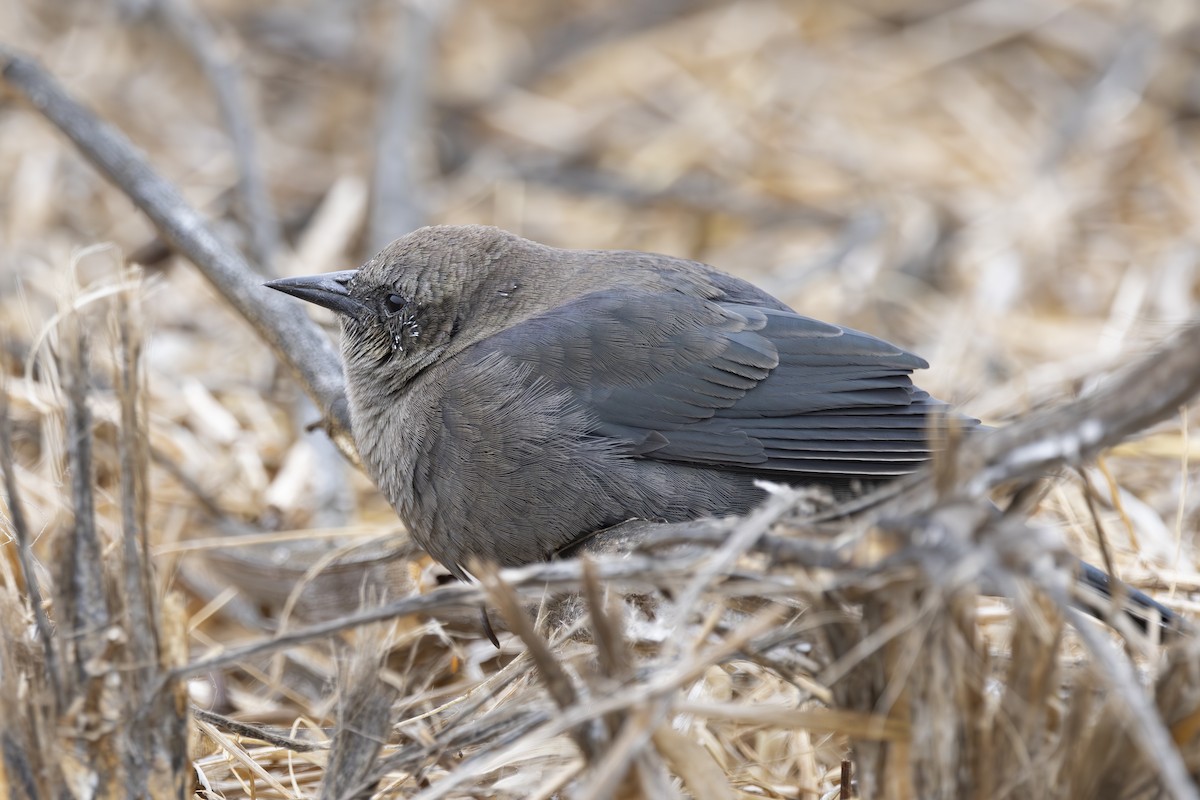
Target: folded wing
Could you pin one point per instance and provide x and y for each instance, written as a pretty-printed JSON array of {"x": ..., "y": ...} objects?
[{"x": 730, "y": 385}]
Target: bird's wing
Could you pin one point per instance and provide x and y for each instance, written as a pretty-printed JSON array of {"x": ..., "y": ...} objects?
[{"x": 729, "y": 385}]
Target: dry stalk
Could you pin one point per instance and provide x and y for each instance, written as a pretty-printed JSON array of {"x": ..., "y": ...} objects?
[{"x": 95, "y": 709}]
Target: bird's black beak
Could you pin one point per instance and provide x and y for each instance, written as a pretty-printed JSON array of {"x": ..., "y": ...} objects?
[{"x": 331, "y": 290}]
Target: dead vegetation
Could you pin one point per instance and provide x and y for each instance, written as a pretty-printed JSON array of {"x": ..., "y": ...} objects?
[{"x": 200, "y": 596}]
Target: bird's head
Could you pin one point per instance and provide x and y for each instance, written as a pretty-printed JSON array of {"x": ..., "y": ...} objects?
[{"x": 431, "y": 294}]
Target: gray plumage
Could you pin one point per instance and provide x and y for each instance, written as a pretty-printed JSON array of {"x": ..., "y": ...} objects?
[{"x": 510, "y": 398}]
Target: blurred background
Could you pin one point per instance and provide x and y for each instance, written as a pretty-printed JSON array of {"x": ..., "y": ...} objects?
[{"x": 1006, "y": 187}]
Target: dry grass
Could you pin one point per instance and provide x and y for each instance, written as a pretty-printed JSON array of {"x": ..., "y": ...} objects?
[{"x": 1008, "y": 188}]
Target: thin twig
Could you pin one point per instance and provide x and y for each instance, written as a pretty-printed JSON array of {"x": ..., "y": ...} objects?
[
  {"x": 143, "y": 628},
  {"x": 584, "y": 33},
  {"x": 444, "y": 597},
  {"x": 194, "y": 29},
  {"x": 396, "y": 207},
  {"x": 364, "y": 723},
  {"x": 639, "y": 727},
  {"x": 610, "y": 644},
  {"x": 743, "y": 537},
  {"x": 85, "y": 603},
  {"x": 698, "y": 193},
  {"x": 1119, "y": 589},
  {"x": 25, "y": 557},
  {"x": 1151, "y": 732},
  {"x": 248, "y": 731},
  {"x": 553, "y": 674}
]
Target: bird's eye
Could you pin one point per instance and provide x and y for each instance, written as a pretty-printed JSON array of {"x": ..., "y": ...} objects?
[{"x": 394, "y": 303}]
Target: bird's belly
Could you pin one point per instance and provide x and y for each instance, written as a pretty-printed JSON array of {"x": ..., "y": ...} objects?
[{"x": 526, "y": 515}]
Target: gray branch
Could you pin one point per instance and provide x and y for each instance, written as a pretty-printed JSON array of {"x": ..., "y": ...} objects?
[
  {"x": 281, "y": 322},
  {"x": 1148, "y": 391}
]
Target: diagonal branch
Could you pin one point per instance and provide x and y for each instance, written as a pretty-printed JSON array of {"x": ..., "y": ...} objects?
[
  {"x": 285, "y": 327},
  {"x": 1148, "y": 391}
]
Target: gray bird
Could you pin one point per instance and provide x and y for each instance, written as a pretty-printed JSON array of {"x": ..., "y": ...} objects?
[{"x": 511, "y": 398}]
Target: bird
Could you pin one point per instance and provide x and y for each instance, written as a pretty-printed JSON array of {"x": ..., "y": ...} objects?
[{"x": 510, "y": 398}]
